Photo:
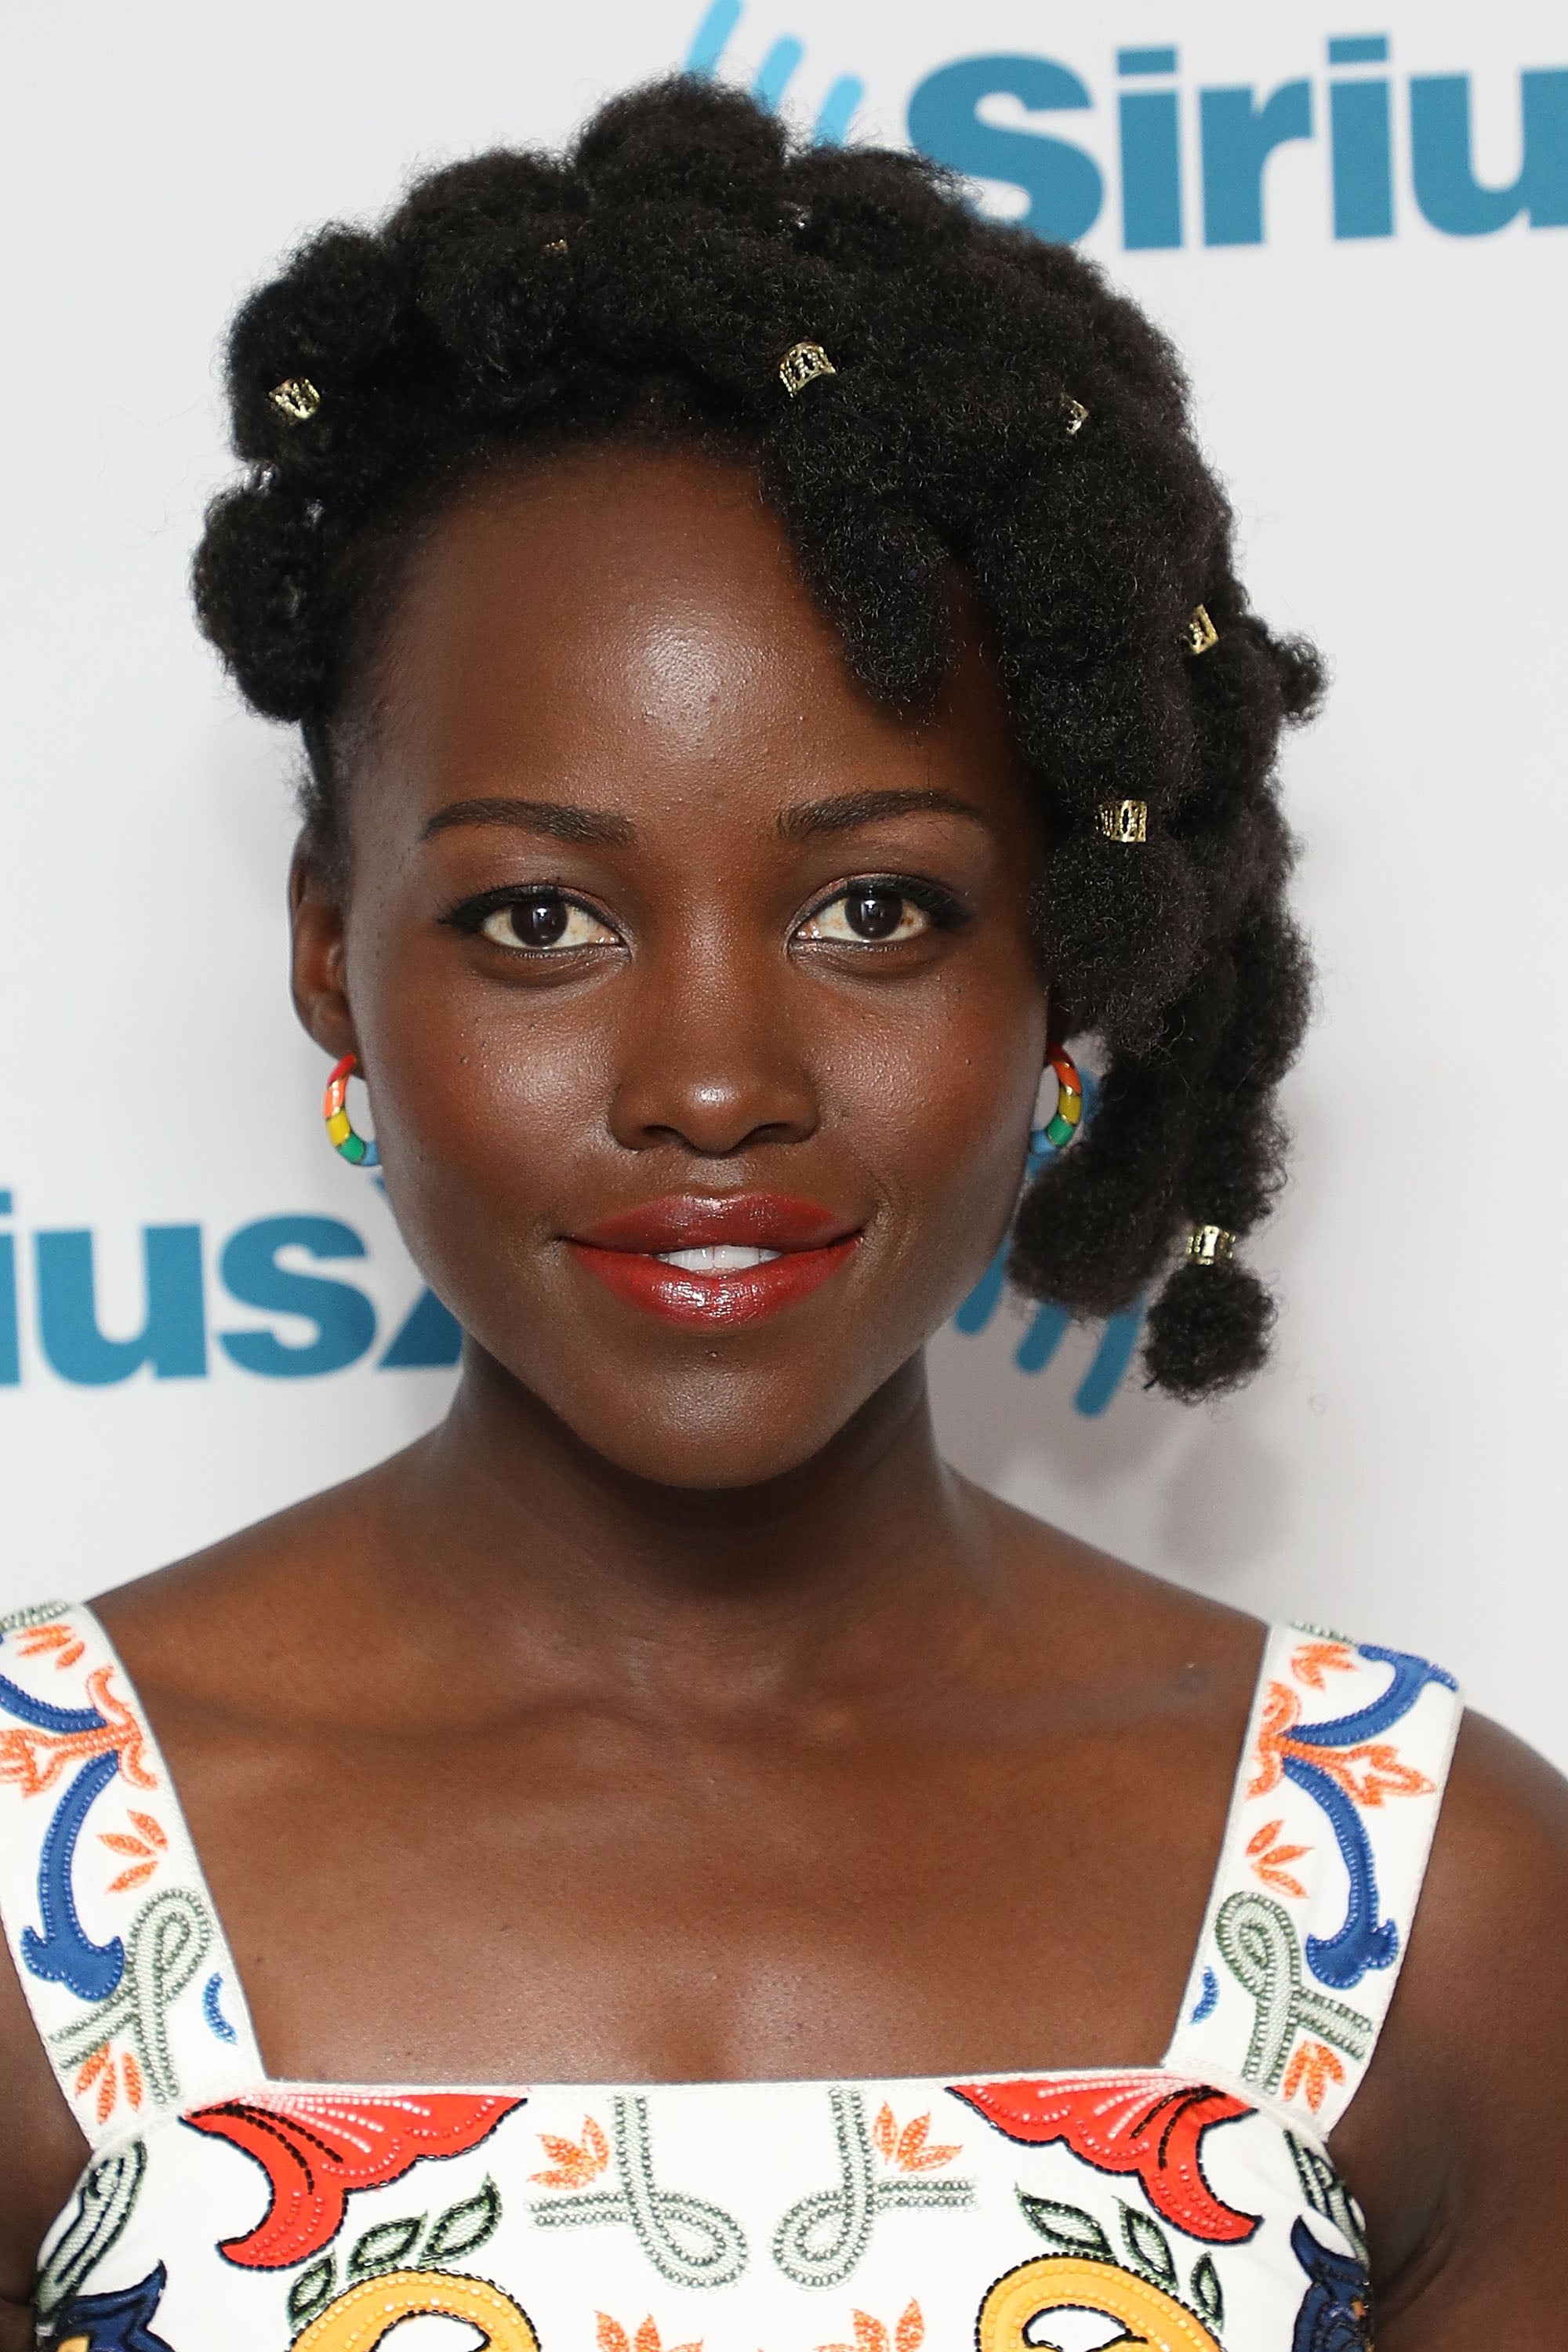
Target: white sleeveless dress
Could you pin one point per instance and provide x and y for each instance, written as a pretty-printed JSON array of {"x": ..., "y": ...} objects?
[{"x": 1188, "y": 2208}]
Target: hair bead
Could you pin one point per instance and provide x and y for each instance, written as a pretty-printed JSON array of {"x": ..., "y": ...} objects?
[
  {"x": 1210, "y": 1244},
  {"x": 1123, "y": 821},
  {"x": 802, "y": 364},
  {"x": 296, "y": 399}
]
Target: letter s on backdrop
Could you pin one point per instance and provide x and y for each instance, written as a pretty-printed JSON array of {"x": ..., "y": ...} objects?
[
  {"x": 343, "y": 1315},
  {"x": 1063, "y": 183}
]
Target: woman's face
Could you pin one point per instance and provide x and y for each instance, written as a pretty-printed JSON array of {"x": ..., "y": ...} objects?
[{"x": 662, "y": 939}]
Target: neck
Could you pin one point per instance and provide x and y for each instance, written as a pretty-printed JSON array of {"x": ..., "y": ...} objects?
[{"x": 854, "y": 1564}]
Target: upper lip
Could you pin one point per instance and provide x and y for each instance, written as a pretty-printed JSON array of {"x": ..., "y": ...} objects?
[{"x": 693, "y": 1220}]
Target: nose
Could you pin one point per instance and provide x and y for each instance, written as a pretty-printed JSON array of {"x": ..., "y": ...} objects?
[{"x": 709, "y": 1062}]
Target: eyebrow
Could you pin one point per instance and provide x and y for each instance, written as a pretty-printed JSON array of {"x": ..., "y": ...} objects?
[
  {"x": 559, "y": 820},
  {"x": 808, "y": 818}
]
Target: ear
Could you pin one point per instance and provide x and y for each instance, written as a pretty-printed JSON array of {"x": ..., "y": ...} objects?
[{"x": 316, "y": 926}]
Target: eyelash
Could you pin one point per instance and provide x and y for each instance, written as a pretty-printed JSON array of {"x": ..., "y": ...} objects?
[
  {"x": 947, "y": 912},
  {"x": 474, "y": 913}
]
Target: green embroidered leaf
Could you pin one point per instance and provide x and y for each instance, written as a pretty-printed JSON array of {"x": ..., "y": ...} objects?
[
  {"x": 1327, "y": 2194},
  {"x": 1149, "y": 2247},
  {"x": 463, "y": 2227},
  {"x": 1067, "y": 2227},
  {"x": 383, "y": 2248},
  {"x": 311, "y": 2293},
  {"x": 1207, "y": 2292}
]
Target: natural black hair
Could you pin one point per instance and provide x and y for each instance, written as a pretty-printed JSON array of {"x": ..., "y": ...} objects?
[{"x": 646, "y": 285}]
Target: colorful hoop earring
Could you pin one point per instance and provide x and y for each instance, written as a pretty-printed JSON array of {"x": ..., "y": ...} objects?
[
  {"x": 359, "y": 1149},
  {"x": 1062, "y": 1125}
]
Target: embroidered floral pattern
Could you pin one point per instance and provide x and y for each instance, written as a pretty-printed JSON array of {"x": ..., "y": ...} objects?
[
  {"x": 117, "y": 2322},
  {"x": 147, "y": 1847},
  {"x": 613, "y": 2337},
  {"x": 1348, "y": 1770},
  {"x": 824, "y": 2235},
  {"x": 907, "y": 2334},
  {"x": 104, "y": 2201},
  {"x": 1268, "y": 1856},
  {"x": 60, "y": 1641},
  {"x": 574, "y": 2164},
  {"x": 689, "y": 2240},
  {"x": 117, "y": 1924},
  {"x": 1010, "y": 2314},
  {"x": 1312, "y": 2070},
  {"x": 799, "y": 2216},
  {"x": 111, "y": 2075},
  {"x": 316, "y": 2147},
  {"x": 1336, "y": 2312},
  {"x": 367, "y": 2314},
  {"x": 1141, "y": 2124},
  {"x": 911, "y": 2149},
  {"x": 1355, "y": 1741}
]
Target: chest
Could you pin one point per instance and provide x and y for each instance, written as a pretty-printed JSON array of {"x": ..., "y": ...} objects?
[{"x": 581, "y": 1895}]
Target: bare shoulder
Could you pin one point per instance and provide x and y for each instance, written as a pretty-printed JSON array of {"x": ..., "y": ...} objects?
[
  {"x": 1106, "y": 1623},
  {"x": 1458, "y": 2144},
  {"x": 264, "y": 1611}
]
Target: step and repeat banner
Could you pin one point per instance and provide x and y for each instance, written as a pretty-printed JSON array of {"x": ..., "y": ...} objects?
[{"x": 1355, "y": 221}]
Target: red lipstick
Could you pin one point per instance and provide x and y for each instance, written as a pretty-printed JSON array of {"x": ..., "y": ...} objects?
[{"x": 749, "y": 1253}]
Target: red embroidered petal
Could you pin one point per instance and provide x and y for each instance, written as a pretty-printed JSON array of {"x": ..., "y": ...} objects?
[
  {"x": 1146, "y": 2123},
  {"x": 315, "y": 2146}
]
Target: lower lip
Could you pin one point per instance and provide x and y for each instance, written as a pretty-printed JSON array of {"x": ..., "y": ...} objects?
[{"x": 722, "y": 1299}]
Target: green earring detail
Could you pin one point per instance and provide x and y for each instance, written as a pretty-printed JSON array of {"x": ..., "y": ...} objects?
[
  {"x": 358, "y": 1149},
  {"x": 1063, "y": 1124}
]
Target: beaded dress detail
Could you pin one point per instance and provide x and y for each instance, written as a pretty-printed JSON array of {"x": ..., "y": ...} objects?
[{"x": 1187, "y": 2208}]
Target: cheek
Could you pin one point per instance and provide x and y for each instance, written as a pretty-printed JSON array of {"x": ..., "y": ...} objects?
[
  {"x": 483, "y": 1095},
  {"x": 940, "y": 1106}
]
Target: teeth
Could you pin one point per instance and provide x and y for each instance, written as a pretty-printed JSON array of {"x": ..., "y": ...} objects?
[{"x": 718, "y": 1257}]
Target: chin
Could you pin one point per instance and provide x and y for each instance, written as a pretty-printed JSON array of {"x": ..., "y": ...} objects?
[
  {"x": 740, "y": 1445},
  {"x": 719, "y": 1430}
]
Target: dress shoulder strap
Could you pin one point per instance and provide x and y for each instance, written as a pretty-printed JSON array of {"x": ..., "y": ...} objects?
[
  {"x": 116, "y": 1942},
  {"x": 1331, "y": 1824}
]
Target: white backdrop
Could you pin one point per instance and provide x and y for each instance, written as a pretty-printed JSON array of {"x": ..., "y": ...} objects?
[{"x": 1387, "y": 408}]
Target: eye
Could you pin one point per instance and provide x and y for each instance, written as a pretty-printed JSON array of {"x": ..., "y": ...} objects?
[
  {"x": 546, "y": 920},
  {"x": 871, "y": 914}
]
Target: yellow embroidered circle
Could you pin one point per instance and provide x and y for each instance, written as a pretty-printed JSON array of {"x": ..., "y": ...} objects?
[
  {"x": 1074, "y": 2282},
  {"x": 359, "y": 2320}
]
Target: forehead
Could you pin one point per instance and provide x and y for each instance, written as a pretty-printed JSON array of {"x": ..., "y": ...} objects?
[{"x": 640, "y": 614}]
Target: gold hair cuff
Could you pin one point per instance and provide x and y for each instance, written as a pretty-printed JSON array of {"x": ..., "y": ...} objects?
[
  {"x": 1074, "y": 412},
  {"x": 556, "y": 245},
  {"x": 802, "y": 364},
  {"x": 296, "y": 398},
  {"x": 1126, "y": 821},
  {"x": 1200, "y": 633},
  {"x": 1209, "y": 1245}
]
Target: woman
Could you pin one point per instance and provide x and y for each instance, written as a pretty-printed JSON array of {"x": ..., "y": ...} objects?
[{"x": 772, "y": 674}]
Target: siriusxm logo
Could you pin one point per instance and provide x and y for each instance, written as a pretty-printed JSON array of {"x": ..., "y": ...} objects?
[
  {"x": 330, "y": 1323},
  {"x": 1348, "y": 114}
]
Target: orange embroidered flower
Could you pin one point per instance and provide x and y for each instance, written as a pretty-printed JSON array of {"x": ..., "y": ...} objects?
[
  {"x": 613, "y": 2337},
  {"x": 1366, "y": 1773},
  {"x": 37, "y": 1759},
  {"x": 575, "y": 2166},
  {"x": 1268, "y": 1859},
  {"x": 39, "y": 1640},
  {"x": 907, "y": 2151},
  {"x": 870, "y": 2335},
  {"x": 148, "y": 1848},
  {"x": 1310, "y": 2071},
  {"x": 111, "y": 2075},
  {"x": 1312, "y": 1662}
]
